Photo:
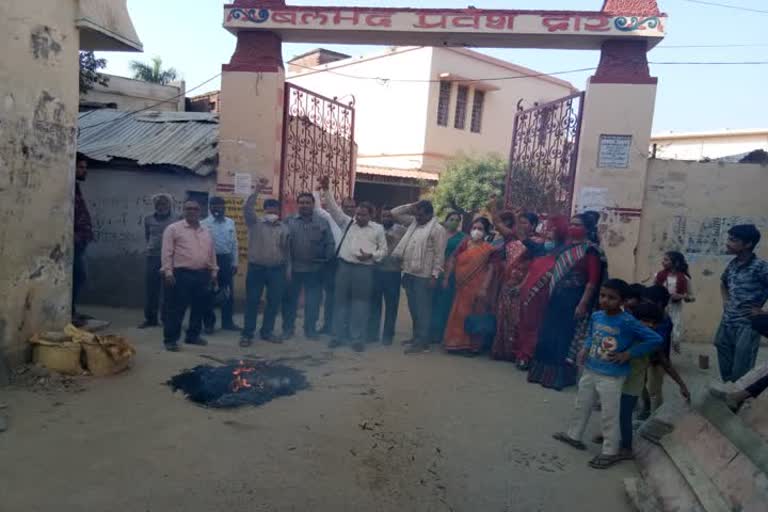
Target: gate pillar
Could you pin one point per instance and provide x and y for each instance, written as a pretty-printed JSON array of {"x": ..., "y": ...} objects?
[
  {"x": 613, "y": 149},
  {"x": 251, "y": 116}
]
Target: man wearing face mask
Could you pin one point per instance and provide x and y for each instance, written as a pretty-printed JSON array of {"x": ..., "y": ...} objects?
[
  {"x": 269, "y": 266},
  {"x": 224, "y": 234}
]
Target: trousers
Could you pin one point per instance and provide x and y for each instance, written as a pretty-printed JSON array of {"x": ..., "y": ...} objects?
[
  {"x": 260, "y": 277},
  {"x": 226, "y": 282},
  {"x": 329, "y": 291},
  {"x": 737, "y": 346},
  {"x": 419, "y": 294},
  {"x": 352, "y": 306},
  {"x": 386, "y": 297},
  {"x": 190, "y": 292},
  {"x": 627, "y": 408},
  {"x": 153, "y": 285},
  {"x": 312, "y": 284},
  {"x": 78, "y": 275},
  {"x": 608, "y": 389}
]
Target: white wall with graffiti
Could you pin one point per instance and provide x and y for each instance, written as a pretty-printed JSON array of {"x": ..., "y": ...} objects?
[{"x": 689, "y": 207}]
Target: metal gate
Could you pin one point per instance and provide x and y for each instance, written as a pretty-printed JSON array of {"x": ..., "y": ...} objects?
[
  {"x": 318, "y": 141},
  {"x": 542, "y": 167}
]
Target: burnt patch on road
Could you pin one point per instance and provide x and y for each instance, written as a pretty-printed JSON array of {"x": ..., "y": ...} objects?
[{"x": 238, "y": 383}]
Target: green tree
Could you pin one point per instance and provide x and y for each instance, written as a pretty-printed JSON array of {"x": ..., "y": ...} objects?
[
  {"x": 89, "y": 72},
  {"x": 469, "y": 182},
  {"x": 153, "y": 72}
]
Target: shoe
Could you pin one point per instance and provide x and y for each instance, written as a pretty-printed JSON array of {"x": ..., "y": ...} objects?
[
  {"x": 171, "y": 347},
  {"x": 287, "y": 335},
  {"x": 523, "y": 365},
  {"x": 231, "y": 327},
  {"x": 335, "y": 343},
  {"x": 417, "y": 348},
  {"x": 407, "y": 342},
  {"x": 358, "y": 347},
  {"x": 271, "y": 338},
  {"x": 386, "y": 342},
  {"x": 209, "y": 330},
  {"x": 147, "y": 324},
  {"x": 201, "y": 342},
  {"x": 246, "y": 341}
]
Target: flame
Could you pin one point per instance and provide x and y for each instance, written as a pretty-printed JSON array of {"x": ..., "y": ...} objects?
[{"x": 240, "y": 382}]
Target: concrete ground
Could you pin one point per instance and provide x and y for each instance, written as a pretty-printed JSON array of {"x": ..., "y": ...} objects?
[{"x": 378, "y": 431}]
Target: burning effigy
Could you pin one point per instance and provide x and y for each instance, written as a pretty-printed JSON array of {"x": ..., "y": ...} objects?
[{"x": 238, "y": 383}]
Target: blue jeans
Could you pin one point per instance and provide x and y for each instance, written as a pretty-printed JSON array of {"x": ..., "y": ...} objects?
[
  {"x": 312, "y": 284},
  {"x": 258, "y": 278},
  {"x": 737, "y": 346}
]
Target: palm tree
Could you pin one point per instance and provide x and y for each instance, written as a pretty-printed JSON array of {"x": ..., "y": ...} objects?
[{"x": 153, "y": 72}]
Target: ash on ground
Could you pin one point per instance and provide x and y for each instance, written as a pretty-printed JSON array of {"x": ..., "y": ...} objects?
[{"x": 238, "y": 383}]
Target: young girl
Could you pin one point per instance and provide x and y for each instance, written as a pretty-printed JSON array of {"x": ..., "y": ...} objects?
[{"x": 676, "y": 279}]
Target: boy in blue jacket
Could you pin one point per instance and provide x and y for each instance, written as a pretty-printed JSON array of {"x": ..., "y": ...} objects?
[{"x": 614, "y": 338}]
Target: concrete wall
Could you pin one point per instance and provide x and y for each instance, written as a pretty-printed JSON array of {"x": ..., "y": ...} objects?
[
  {"x": 689, "y": 207},
  {"x": 390, "y": 116},
  {"x": 500, "y": 106},
  {"x": 38, "y": 111},
  {"x": 695, "y": 147},
  {"x": 118, "y": 201},
  {"x": 131, "y": 95}
]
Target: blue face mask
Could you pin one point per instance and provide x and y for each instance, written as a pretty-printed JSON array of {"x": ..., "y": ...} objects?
[{"x": 549, "y": 245}]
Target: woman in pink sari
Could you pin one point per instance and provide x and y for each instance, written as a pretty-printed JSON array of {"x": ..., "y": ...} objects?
[{"x": 474, "y": 272}]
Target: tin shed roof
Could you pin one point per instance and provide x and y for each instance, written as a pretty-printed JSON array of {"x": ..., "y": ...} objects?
[{"x": 183, "y": 139}]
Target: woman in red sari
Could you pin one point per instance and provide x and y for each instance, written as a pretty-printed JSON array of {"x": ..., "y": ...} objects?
[
  {"x": 513, "y": 267},
  {"x": 472, "y": 266},
  {"x": 534, "y": 290}
]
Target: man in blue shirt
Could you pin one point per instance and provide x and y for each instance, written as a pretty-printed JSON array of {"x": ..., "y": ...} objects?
[
  {"x": 224, "y": 234},
  {"x": 614, "y": 338},
  {"x": 744, "y": 286}
]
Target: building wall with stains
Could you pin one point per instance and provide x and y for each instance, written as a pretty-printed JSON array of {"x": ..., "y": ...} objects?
[
  {"x": 689, "y": 207},
  {"x": 118, "y": 201},
  {"x": 38, "y": 112}
]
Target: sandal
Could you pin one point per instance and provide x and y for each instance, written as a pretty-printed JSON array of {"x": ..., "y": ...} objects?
[
  {"x": 604, "y": 461},
  {"x": 563, "y": 438}
]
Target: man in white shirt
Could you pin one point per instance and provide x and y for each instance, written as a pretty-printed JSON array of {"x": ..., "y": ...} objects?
[{"x": 363, "y": 244}]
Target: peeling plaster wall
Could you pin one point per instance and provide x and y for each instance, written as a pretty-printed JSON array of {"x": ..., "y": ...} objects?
[
  {"x": 118, "y": 201},
  {"x": 689, "y": 207},
  {"x": 38, "y": 111}
]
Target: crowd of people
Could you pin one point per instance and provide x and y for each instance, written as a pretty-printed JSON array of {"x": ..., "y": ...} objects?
[{"x": 533, "y": 292}]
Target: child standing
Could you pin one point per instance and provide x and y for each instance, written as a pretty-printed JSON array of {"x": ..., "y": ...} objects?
[
  {"x": 676, "y": 278},
  {"x": 652, "y": 316},
  {"x": 614, "y": 338}
]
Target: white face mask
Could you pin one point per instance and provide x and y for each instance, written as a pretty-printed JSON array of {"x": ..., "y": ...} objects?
[
  {"x": 477, "y": 234},
  {"x": 271, "y": 218}
]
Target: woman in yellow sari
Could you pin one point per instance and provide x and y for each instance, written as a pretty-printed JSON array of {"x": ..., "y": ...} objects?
[{"x": 472, "y": 266}]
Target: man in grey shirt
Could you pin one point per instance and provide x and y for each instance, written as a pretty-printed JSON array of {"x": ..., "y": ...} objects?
[
  {"x": 312, "y": 246},
  {"x": 269, "y": 266},
  {"x": 386, "y": 283},
  {"x": 154, "y": 226}
]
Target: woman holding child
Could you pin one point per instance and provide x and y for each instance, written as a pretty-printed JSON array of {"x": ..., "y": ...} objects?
[{"x": 578, "y": 269}]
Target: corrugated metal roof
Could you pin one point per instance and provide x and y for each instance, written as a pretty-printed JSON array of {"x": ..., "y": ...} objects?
[
  {"x": 397, "y": 173},
  {"x": 183, "y": 139}
]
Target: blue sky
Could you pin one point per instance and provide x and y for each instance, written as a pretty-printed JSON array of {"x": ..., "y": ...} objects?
[{"x": 690, "y": 98}]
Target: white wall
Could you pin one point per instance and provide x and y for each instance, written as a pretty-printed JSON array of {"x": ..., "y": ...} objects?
[
  {"x": 698, "y": 148},
  {"x": 390, "y": 116},
  {"x": 131, "y": 94},
  {"x": 689, "y": 207},
  {"x": 500, "y": 107}
]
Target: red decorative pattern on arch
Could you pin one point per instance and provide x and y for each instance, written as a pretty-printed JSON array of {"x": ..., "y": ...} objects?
[{"x": 631, "y": 7}]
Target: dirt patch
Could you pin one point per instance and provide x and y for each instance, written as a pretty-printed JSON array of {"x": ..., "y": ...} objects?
[{"x": 40, "y": 380}]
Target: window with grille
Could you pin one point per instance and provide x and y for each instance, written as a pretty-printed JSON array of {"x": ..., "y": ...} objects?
[
  {"x": 461, "y": 107},
  {"x": 443, "y": 102},
  {"x": 477, "y": 111}
]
